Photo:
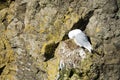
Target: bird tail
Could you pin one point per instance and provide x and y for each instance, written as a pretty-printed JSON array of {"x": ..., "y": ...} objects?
[{"x": 90, "y": 49}]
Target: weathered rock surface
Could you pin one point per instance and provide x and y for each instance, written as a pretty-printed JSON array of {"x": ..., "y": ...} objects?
[{"x": 33, "y": 39}]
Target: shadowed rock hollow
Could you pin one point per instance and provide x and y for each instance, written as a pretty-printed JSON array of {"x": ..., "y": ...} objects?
[{"x": 33, "y": 39}]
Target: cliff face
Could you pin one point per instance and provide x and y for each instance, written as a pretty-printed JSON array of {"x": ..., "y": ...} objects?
[{"x": 33, "y": 39}]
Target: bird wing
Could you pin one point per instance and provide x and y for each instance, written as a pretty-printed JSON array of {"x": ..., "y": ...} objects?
[{"x": 82, "y": 40}]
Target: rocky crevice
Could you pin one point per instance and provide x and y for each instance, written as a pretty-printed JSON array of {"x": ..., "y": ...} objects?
[{"x": 50, "y": 51}]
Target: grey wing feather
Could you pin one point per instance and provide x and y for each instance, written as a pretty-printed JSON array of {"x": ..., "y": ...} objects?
[{"x": 82, "y": 40}]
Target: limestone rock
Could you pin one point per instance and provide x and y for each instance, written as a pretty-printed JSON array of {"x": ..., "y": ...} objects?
[{"x": 32, "y": 33}]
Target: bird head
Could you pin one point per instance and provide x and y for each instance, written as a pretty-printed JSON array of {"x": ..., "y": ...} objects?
[{"x": 74, "y": 32}]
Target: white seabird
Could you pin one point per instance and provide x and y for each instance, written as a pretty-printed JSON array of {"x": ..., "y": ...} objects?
[{"x": 80, "y": 39}]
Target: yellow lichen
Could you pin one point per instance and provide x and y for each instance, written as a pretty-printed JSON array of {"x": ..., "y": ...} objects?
[
  {"x": 52, "y": 38},
  {"x": 70, "y": 9},
  {"x": 97, "y": 29},
  {"x": 3, "y": 13},
  {"x": 11, "y": 12},
  {"x": 86, "y": 63},
  {"x": 52, "y": 69},
  {"x": 58, "y": 23},
  {"x": 7, "y": 60},
  {"x": 52, "y": 65},
  {"x": 70, "y": 19},
  {"x": 85, "y": 67},
  {"x": 29, "y": 28},
  {"x": 42, "y": 30}
]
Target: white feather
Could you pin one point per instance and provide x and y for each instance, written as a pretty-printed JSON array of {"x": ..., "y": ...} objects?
[{"x": 80, "y": 39}]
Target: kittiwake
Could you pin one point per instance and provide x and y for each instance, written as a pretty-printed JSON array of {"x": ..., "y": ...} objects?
[{"x": 80, "y": 39}]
